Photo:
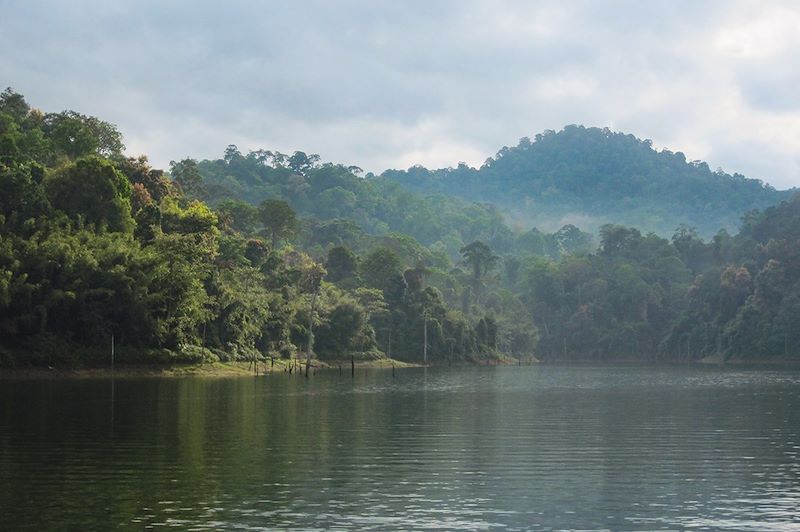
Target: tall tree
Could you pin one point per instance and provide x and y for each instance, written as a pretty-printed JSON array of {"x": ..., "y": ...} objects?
[
  {"x": 279, "y": 220},
  {"x": 480, "y": 258},
  {"x": 342, "y": 264}
]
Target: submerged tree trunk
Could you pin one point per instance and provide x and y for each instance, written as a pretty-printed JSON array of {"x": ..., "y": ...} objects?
[{"x": 310, "y": 345}]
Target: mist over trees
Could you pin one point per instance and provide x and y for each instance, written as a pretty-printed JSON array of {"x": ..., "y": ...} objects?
[
  {"x": 241, "y": 257},
  {"x": 593, "y": 176}
]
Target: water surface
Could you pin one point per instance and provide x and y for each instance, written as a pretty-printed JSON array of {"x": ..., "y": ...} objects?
[{"x": 621, "y": 448}]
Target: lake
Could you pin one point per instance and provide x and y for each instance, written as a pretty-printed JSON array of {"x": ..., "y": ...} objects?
[{"x": 539, "y": 447}]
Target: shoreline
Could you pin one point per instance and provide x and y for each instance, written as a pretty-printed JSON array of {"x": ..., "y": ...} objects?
[
  {"x": 204, "y": 370},
  {"x": 282, "y": 366}
]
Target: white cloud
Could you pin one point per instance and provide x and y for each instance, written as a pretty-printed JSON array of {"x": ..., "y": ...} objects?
[{"x": 391, "y": 84}]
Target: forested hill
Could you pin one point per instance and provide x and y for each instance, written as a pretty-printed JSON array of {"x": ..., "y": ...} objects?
[
  {"x": 243, "y": 257},
  {"x": 593, "y": 176},
  {"x": 328, "y": 194}
]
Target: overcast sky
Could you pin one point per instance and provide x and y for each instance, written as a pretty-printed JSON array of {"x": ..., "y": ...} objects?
[{"x": 390, "y": 84}]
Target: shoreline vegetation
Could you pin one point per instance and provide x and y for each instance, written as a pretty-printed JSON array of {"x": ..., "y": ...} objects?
[
  {"x": 283, "y": 366},
  {"x": 264, "y": 254},
  {"x": 205, "y": 369},
  {"x": 293, "y": 366}
]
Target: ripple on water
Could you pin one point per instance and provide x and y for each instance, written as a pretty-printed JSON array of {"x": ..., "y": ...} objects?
[{"x": 473, "y": 449}]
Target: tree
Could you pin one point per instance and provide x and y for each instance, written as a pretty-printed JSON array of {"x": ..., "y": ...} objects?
[
  {"x": 279, "y": 220},
  {"x": 22, "y": 196},
  {"x": 238, "y": 215},
  {"x": 342, "y": 264},
  {"x": 570, "y": 239},
  {"x": 139, "y": 171},
  {"x": 480, "y": 257},
  {"x": 187, "y": 176},
  {"x": 345, "y": 328},
  {"x": 9, "y": 152},
  {"x": 93, "y": 190},
  {"x": 302, "y": 163},
  {"x": 415, "y": 277},
  {"x": 78, "y": 135},
  {"x": 618, "y": 240},
  {"x": 14, "y": 104},
  {"x": 312, "y": 282},
  {"x": 381, "y": 267}
]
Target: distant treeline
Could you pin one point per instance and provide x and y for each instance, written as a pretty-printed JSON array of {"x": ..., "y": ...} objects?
[{"x": 243, "y": 257}]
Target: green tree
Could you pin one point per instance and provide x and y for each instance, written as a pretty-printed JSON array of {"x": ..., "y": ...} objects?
[
  {"x": 342, "y": 265},
  {"x": 14, "y": 104},
  {"x": 77, "y": 135},
  {"x": 93, "y": 190},
  {"x": 238, "y": 215},
  {"x": 278, "y": 218},
  {"x": 480, "y": 258},
  {"x": 381, "y": 268},
  {"x": 187, "y": 176},
  {"x": 302, "y": 163}
]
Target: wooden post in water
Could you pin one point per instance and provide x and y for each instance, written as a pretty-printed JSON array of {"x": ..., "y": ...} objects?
[
  {"x": 352, "y": 366},
  {"x": 392, "y": 369}
]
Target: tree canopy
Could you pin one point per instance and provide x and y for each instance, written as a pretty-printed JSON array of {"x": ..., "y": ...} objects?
[
  {"x": 266, "y": 254},
  {"x": 594, "y": 176}
]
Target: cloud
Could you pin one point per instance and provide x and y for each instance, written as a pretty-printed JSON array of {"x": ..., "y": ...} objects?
[{"x": 384, "y": 85}]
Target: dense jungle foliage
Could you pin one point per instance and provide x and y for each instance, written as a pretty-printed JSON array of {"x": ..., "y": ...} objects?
[
  {"x": 592, "y": 176},
  {"x": 254, "y": 255},
  {"x": 95, "y": 244}
]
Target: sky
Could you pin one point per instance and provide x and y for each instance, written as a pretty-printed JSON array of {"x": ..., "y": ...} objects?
[{"x": 383, "y": 84}]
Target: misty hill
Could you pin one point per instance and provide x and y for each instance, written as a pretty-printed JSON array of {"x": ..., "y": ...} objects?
[{"x": 593, "y": 176}]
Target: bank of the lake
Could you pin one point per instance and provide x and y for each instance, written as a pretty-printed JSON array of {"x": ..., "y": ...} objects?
[
  {"x": 69, "y": 361},
  {"x": 296, "y": 366},
  {"x": 208, "y": 369}
]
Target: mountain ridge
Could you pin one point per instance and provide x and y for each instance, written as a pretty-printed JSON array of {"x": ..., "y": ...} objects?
[{"x": 591, "y": 176}]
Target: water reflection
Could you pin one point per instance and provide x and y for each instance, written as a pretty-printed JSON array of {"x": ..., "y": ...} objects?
[{"x": 472, "y": 448}]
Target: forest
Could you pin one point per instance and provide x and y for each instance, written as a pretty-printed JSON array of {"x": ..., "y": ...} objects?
[
  {"x": 593, "y": 176},
  {"x": 265, "y": 254}
]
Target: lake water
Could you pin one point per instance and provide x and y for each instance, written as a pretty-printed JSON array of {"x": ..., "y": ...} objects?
[{"x": 542, "y": 447}]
